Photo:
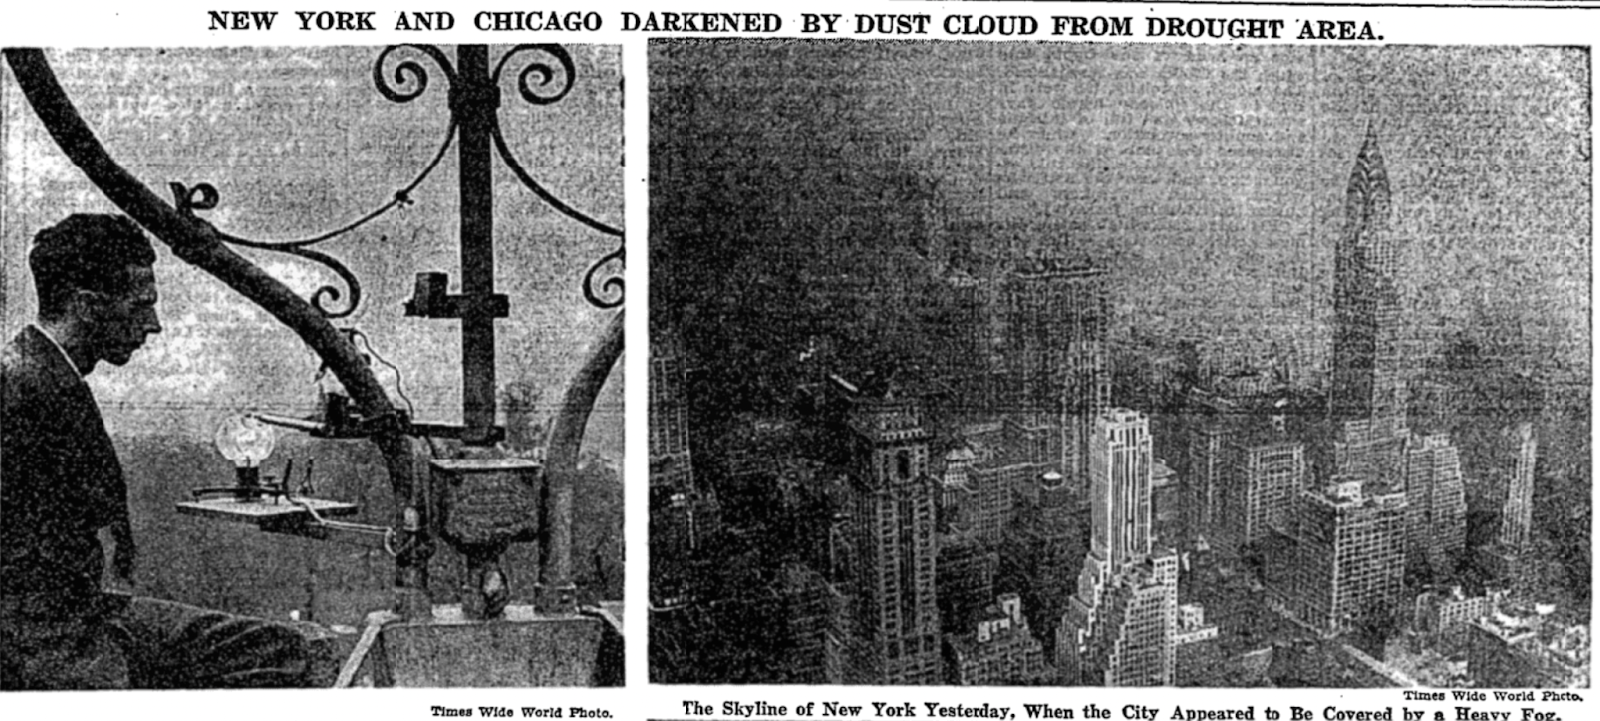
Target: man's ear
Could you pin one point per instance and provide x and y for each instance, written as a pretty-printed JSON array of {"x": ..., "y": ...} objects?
[{"x": 84, "y": 304}]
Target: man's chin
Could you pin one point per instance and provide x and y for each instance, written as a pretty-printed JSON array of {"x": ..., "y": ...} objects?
[{"x": 120, "y": 358}]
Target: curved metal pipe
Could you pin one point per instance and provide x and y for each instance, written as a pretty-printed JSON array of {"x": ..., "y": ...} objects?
[{"x": 561, "y": 458}]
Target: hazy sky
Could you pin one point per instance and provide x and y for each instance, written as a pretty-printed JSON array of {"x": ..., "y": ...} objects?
[
  {"x": 1210, "y": 179},
  {"x": 298, "y": 141}
]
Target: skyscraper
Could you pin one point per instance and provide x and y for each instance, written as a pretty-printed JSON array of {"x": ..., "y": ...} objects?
[
  {"x": 894, "y": 525},
  {"x": 1519, "y": 452},
  {"x": 1514, "y": 453},
  {"x": 1057, "y": 552},
  {"x": 1265, "y": 474},
  {"x": 1057, "y": 316},
  {"x": 1120, "y": 464},
  {"x": 669, "y": 414},
  {"x": 1207, "y": 461},
  {"x": 1436, "y": 504},
  {"x": 682, "y": 516},
  {"x": 811, "y": 619},
  {"x": 1367, "y": 382},
  {"x": 1350, "y": 562},
  {"x": 1120, "y": 626},
  {"x": 1350, "y": 533}
]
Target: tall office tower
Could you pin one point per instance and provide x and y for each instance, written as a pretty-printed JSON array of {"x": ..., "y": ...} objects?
[
  {"x": 1367, "y": 382},
  {"x": 1120, "y": 625},
  {"x": 1266, "y": 471},
  {"x": 967, "y": 359},
  {"x": 1207, "y": 452},
  {"x": 1141, "y": 646},
  {"x": 1056, "y": 348},
  {"x": 682, "y": 516},
  {"x": 966, "y": 565},
  {"x": 1518, "y": 452},
  {"x": 1349, "y": 564},
  {"x": 1007, "y": 458},
  {"x": 1512, "y": 456},
  {"x": 1120, "y": 465},
  {"x": 958, "y": 502},
  {"x": 1128, "y": 635},
  {"x": 669, "y": 414},
  {"x": 1057, "y": 547},
  {"x": 1436, "y": 504},
  {"x": 992, "y": 484},
  {"x": 1055, "y": 505},
  {"x": 894, "y": 525},
  {"x": 1210, "y": 428}
]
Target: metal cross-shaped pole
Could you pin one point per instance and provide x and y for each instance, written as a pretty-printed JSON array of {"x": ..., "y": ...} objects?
[{"x": 474, "y": 100}]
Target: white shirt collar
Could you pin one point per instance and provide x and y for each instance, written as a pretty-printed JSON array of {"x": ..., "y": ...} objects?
[{"x": 59, "y": 347}]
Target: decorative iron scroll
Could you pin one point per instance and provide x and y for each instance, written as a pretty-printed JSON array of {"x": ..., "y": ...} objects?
[
  {"x": 407, "y": 72},
  {"x": 556, "y": 74},
  {"x": 547, "y": 74},
  {"x": 612, "y": 284},
  {"x": 204, "y": 196}
]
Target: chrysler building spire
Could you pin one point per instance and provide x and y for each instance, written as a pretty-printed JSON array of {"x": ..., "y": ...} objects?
[{"x": 1367, "y": 380}]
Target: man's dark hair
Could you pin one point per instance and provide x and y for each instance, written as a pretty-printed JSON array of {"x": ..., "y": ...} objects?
[{"x": 85, "y": 252}]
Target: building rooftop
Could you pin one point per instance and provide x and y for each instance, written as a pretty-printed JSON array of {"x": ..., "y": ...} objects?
[{"x": 1341, "y": 493}]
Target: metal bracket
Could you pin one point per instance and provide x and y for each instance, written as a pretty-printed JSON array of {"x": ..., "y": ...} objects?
[{"x": 430, "y": 299}]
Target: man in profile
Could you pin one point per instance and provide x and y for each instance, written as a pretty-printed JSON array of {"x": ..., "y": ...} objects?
[{"x": 61, "y": 488}]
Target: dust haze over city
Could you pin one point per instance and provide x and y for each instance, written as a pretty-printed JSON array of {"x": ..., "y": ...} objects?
[{"x": 1114, "y": 365}]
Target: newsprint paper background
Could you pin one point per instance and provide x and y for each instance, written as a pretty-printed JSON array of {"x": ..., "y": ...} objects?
[{"x": 894, "y": 275}]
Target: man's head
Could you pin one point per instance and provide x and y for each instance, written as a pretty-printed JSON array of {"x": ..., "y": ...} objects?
[{"x": 96, "y": 280}]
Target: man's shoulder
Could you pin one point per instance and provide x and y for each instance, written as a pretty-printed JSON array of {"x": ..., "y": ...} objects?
[
  {"x": 27, "y": 369},
  {"x": 15, "y": 362}
]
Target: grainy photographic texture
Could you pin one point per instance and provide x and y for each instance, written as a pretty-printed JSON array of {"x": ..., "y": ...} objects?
[
  {"x": 1083, "y": 364},
  {"x": 368, "y": 405}
]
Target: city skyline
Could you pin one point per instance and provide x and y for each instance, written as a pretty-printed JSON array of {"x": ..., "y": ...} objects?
[
  {"x": 1279, "y": 479},
  {"x": 1219, "y": 173}
]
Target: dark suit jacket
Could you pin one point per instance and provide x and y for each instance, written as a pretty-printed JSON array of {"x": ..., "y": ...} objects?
[{"x": 60, "y": 482}]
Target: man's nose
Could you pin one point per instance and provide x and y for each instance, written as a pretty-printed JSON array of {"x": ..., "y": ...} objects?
[{"x": 152, "y": 323}]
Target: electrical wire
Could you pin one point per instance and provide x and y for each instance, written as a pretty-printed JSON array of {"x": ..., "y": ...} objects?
[
  {"x": 399, "y": 386},
  {"x": 399, "y": 380}
]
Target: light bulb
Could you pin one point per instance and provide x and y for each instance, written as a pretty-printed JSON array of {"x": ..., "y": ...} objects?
[{"x": 245, "y": 440}]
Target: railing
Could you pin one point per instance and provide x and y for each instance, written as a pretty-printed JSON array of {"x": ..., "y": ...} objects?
[{"x": 474, "y": 100}]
